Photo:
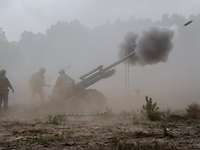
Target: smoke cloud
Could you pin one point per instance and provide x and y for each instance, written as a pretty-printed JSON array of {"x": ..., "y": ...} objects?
[
  {"x": 128, "y": 46},
  {"x": 152, "y": 47}
]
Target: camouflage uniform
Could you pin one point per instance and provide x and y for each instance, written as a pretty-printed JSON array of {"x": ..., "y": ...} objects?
[
  {"x": 37, "y": 82},
  {"x": 63, "y": 86},
  {"x": 5, "y": 85}
]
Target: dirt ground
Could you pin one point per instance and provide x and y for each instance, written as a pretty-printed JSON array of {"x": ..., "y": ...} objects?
[{"x": 101, "y": 132}]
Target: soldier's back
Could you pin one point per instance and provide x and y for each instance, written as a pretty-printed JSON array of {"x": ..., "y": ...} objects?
[
  {"x": 37, "y": 80},
  {"x": 4, "y": 84}
]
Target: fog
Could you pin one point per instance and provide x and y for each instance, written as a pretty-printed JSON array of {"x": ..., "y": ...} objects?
[
  {"x": 79, "y": 48},
  {"x": 37, "y": 15}
]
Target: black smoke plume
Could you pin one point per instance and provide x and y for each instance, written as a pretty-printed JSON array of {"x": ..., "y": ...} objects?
[
  {"x": 152, "y": 47},
  {"x": 128, "y": 46}
]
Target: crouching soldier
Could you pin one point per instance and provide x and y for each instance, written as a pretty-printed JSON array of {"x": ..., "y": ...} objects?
[
  {"x": 63, "y": 87},
  {"x": 5, "y": 85}
]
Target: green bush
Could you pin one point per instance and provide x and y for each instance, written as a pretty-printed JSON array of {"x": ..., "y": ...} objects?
[
  {"x": 193, "y": 111},
  {"x": 57, "y": 119},
  {"x": 151, "y": 109}
]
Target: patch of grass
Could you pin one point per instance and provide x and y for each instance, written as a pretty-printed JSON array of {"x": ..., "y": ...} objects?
[
  {"x": 59, "y": 119},
  {"x": 108, "y": 112},
  {"x": 142, "y": 145},
  {"x": 44, "y": 140}
]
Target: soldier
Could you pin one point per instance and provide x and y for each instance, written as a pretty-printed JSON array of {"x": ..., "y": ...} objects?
[
  {"x": 63, "y": 86},
  {"x": 37, "y": 83},
  {"x": 5, "y": 85}
]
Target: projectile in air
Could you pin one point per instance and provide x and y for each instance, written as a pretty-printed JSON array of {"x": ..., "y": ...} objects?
[{"x": 188, "y": 23}]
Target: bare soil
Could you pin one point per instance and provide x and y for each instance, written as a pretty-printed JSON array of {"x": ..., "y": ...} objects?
[{"x": 99, "y": 133}]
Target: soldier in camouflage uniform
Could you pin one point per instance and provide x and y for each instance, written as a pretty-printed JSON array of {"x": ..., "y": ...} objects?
[
  {"x": 5, "y": 85},
  {"x": 63, "y": 86},
  {"x": 37, "y": 84}
]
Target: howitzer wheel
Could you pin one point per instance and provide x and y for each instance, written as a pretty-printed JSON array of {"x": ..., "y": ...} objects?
[{"x": 88, "y": 101}]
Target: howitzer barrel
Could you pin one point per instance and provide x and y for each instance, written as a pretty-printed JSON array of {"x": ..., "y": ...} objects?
[
  {"x": 95, "y": 78},
  {"x": 100, "y": 73},
  {"x": 120, "y": 61},
  {"x": 91, "y": 72}
]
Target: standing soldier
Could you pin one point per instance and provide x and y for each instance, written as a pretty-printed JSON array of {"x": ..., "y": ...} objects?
[
  {"x": 5, "y": 85},
  {"x": 37, "y": 83}
]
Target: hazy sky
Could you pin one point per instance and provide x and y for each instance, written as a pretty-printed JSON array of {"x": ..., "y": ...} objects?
[
  {"x": 37, "y": 15},
  {"x": 84, "y": 49}
]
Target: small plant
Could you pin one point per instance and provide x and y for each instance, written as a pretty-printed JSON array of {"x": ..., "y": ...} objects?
[
  {"x": 57, "y": 119},
  {"x": 193, "y": 111},
  {"x": 125, "y": 113},
  {"x": 108, "y": 112},
  {"x": 151, "y": 109}
]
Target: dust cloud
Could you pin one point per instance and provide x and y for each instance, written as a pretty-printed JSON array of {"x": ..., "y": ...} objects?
[{"x": 78, "y": 49}]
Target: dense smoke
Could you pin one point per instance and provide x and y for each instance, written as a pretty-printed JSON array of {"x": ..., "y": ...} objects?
[
  {"x": 152, "y": 47},
  {"x": 128, "y": 46}
]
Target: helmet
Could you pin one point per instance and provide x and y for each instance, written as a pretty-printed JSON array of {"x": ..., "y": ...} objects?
[
  {"x": 62, "y": 71},
  {"x": 42, "y": 70},
  {"x": 3, "y": 72}
]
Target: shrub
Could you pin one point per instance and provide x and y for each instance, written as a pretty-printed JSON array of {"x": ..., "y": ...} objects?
[
  {"x": 57, "y": 119},
  {"x": 193, "y": 111},
  {"x": 151, "y": 109}
]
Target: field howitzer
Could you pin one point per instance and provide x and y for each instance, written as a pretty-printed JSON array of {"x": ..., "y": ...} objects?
[
  {"x": 94, "y": 100},
  {"x": 100, "y": 73}
]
